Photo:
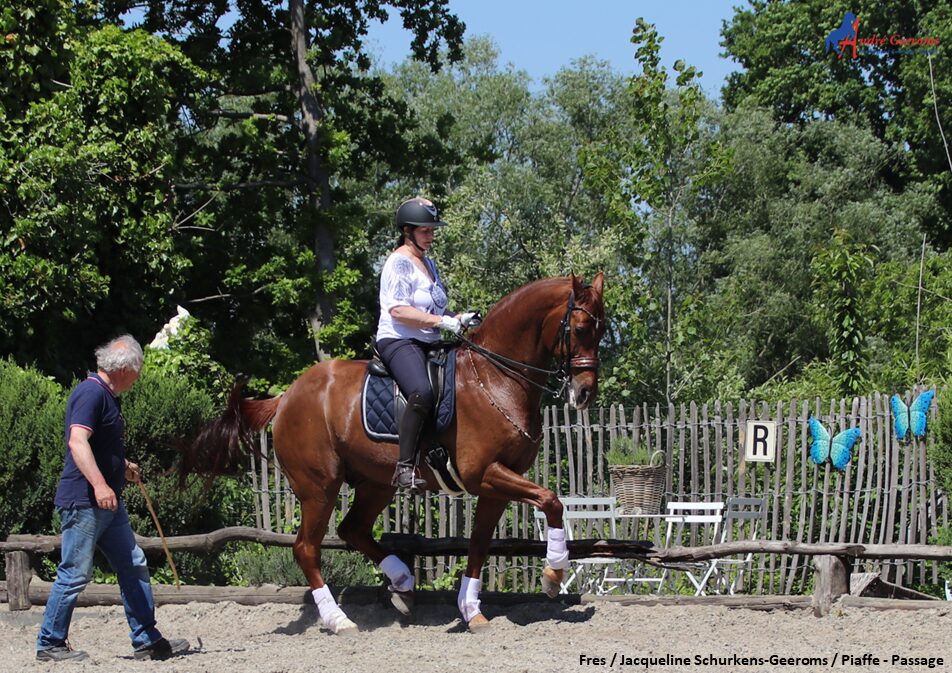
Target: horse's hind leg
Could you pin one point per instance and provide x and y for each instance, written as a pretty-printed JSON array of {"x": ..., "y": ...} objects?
[
  {"x": 316, "y": 509},
  {"x": 357, "y": 530}
]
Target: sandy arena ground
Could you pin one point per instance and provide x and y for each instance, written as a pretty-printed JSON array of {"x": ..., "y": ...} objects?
[{"x": 529, "y": 637}]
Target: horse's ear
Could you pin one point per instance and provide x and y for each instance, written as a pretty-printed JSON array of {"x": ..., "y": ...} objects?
[
  {"x": 598, "y": 282},
  {"x": 577, "y": 284}
]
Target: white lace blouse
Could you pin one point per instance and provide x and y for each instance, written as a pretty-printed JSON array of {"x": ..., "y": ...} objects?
[{"x": 402, "y": 283}]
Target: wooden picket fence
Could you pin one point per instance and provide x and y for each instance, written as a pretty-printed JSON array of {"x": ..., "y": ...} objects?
[{"x": 887, "y": 494}]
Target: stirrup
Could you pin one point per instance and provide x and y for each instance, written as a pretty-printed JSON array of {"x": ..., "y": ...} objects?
[{"x": 405, "y": 476}]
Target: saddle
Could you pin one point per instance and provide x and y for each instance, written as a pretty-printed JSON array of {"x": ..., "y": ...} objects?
[{"x": 383, "y": 405}]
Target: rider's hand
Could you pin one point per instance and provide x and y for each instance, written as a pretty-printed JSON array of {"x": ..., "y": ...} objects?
[
  {"x": 450, "y": 324},
  {"x": 470, "y": 319}
]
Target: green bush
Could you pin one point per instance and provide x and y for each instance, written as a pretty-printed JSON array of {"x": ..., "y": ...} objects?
[
  {"x": 187, "y": 359},
  {"x": 32, "y": 413},
  {"x": 161, "y": 410},
  {"x": 256, "y": 564}
]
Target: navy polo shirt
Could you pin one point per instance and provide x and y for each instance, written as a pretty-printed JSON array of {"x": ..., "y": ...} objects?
[{"x": 92, "y": 405}]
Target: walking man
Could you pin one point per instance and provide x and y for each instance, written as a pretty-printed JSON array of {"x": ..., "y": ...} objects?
[{"x": 92, "y": 513}]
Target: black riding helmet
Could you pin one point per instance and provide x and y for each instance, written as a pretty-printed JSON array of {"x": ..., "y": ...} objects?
[{"x": 418, "y": 212}]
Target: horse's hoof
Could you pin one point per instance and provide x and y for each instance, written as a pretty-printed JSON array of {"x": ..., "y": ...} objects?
[
  {"x": 403, "y": 601},
  {"x": 551, "y": 581},
  {"x": 345, "y": 627},
  {"x": 478, "y": 623}
]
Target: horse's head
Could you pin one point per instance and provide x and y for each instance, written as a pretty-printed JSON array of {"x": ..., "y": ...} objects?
[{"x": 581, "y": 330}]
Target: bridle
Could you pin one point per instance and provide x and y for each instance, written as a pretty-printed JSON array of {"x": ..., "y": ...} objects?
[
  {"x": 563, "y": 346},
  {"x": 567, "y": 362}
]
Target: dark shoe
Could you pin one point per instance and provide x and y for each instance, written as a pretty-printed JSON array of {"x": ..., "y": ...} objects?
[
  {"x": 61, "y": 653},
  {"x": 162, "y": 649},
  {"x": 405, "y": 477}
]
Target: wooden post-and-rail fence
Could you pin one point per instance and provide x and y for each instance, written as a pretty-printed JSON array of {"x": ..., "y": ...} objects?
[
  {"x": 887, "y": 494},
  {"x": 833, "y": 565}
]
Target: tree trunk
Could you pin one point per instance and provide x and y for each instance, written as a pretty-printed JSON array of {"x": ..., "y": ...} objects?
[{"x": 318, "y": 183}]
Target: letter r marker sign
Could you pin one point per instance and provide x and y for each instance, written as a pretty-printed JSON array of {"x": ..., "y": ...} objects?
[{"x": 761, "y": 443}]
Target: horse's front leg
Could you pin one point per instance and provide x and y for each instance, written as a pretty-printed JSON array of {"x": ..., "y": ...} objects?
[
  {"x": 501, "y": 482},
  {"x": 488, "y": 511}
]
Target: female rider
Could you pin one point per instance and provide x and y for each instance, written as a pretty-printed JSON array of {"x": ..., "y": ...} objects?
[{"x": 413, "y": 310}]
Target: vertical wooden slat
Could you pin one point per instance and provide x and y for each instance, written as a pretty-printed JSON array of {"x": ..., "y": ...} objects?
[
  {"x": 934, "y": 524},
  {"x": 718, "y": 453},
  {"x": 600, "y": 453},
  {"x": 774, "y": 501},
  {"x": 254, "y": 489},
  {"x": 265, "y": 492},
  {"x": 861, "y": 448},
  {"x": 569, "y": 453},
  {"x": 668, "y": 433},
  {"x": 706, "y": 457},
  {"x": 788, "y": 486},
  {"x": 805, "y": 494},
  {"x": 892, "y": 490},
  {"x": 903, "y": 532},
  {"x": 814, "y": 493},
  {"x": 882, "y": 470},
  {"x": 547, "y": 431},
  {"x": 589, "y": 455},
  {"x": 825, "y": 510},
  {"x": 697, "y": 484},
  {"x": 729, "y": 448},
  {"x": 683, "y": 478},
  {"x": 741, "y": 463},
  {"x": 867, "y": 532}
]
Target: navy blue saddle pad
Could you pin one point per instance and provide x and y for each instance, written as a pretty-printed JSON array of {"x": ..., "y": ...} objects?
[{"x": 378, "y": 403}]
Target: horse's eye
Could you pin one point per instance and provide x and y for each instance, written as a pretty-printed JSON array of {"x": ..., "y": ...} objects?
[{"x": 579, "y": 330}]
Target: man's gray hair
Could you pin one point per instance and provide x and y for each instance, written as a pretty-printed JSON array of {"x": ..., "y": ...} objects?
[{"x": 121, "y": 353}]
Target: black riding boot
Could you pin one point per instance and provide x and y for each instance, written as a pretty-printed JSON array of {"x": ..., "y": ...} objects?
[{"x": 411, "y": 426}]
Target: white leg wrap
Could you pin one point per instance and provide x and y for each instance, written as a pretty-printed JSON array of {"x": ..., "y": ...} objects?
[
  {"x": 333, "y": 617},
  {"x": 468, "y": 600},
  {"x": 397, "y": 571},
  {"x": 556, "y": 553}
]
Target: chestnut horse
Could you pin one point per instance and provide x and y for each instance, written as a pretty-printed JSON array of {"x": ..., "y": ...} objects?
[{"x": 501, "y": 372}]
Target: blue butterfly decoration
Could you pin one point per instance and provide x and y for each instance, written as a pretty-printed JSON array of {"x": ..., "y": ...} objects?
[
  {"x": 912, "y": 417},
  {"x": 839, "y": 450}
]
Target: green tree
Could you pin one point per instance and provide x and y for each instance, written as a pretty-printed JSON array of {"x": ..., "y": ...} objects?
[
  {"x": 291, "y": 115},
  {"x": 781, "y": 48},
  {"x": 761, "y": 225},
  {"x": 657, "y": 162},
  {"x": 87, "y": 231},
  {"x": 839, "y": 270}
]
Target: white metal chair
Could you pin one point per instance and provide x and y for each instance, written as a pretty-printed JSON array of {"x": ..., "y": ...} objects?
[
  {"x": 583, "y": 518},
  {"x": 744, "y": 519},
  {"x": 692, "y": 513}
]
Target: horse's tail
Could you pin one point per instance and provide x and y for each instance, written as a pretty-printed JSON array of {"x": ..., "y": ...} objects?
[{"x": 223, "y": 444}]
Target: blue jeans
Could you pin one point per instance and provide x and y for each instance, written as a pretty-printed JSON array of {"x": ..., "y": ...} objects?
[{"x": 85, "y": 528}]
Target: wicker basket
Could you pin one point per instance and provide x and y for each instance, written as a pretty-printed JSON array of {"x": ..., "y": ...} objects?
[{"x": 638, "y": 488}]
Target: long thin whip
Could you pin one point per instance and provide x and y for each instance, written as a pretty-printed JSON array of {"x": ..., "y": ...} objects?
[{"x": 165, "y": 546}]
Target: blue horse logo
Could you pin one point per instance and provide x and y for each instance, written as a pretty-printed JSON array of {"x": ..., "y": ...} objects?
[{"x": 844, "y": 36}]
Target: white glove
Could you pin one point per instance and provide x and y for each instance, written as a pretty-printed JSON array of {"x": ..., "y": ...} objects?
[
  {"x": 450, "y": 324},
  {"x": 470, "y": 319}
]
